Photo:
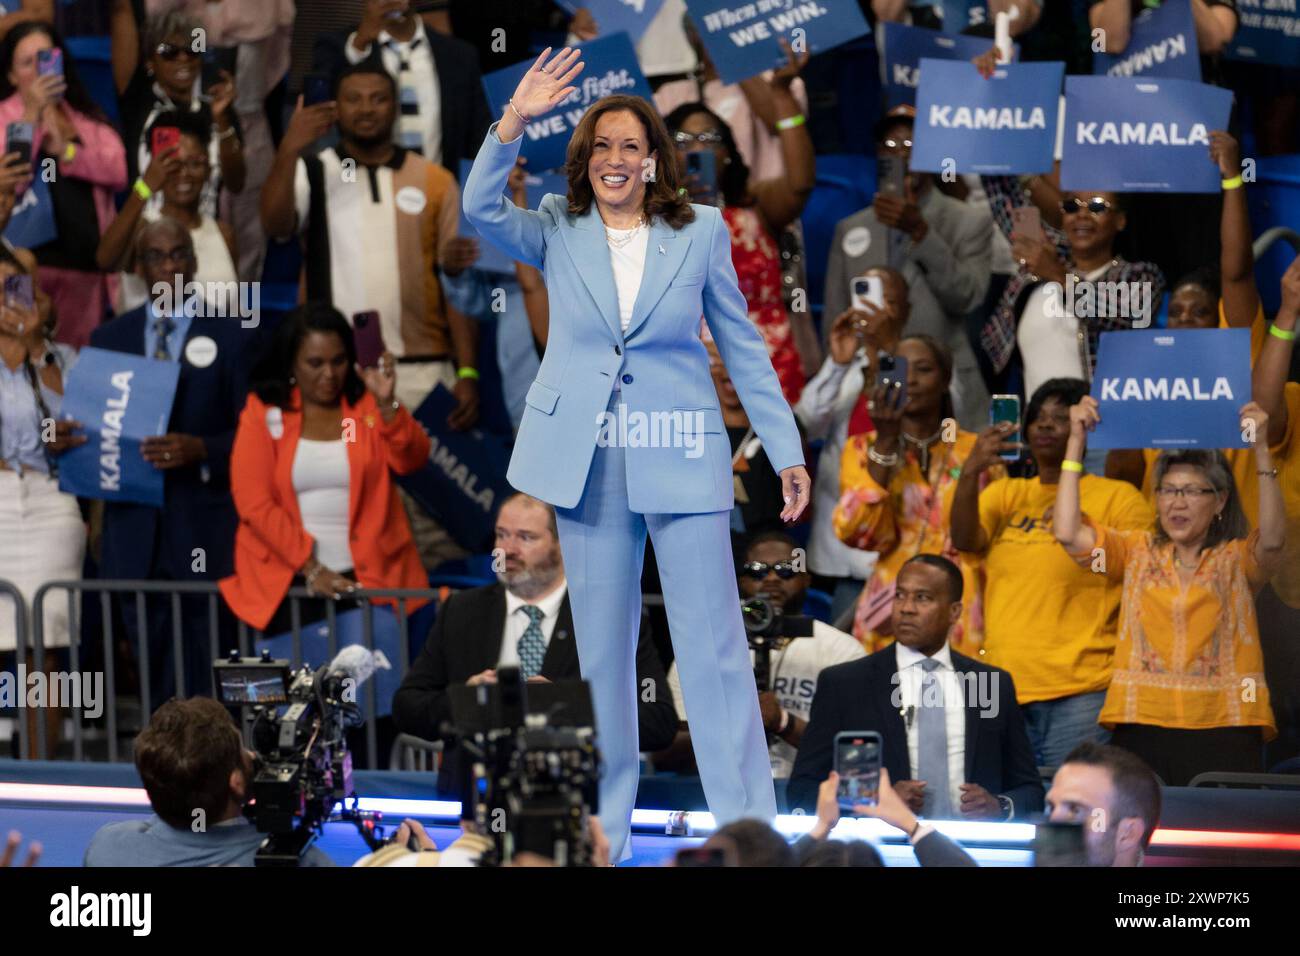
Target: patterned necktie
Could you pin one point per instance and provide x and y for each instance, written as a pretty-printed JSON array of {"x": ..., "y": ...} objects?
[
  {"x": 532, "y": 646},
  {"x": 410, "y": 129},
  {"x": 163, "y": 328},
  {"x": 932, "y": 744}
]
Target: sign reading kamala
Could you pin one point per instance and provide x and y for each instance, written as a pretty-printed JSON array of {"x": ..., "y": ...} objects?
[
  {"x": 741, "y": 35},
  {"x": 1268, "y": 31},
  {"x": 905, "y": 47},
  {"x": 119, "y": 400},
  {"x": 1141, "y": 135},
  {"x": 1161, "y": 388},
  {"x": 490, "y": 258},
  {"x": 1162, "y": 43},
  {"x": 618, "y": 16},
  {"x": 609, "y": 66},
  {"x": 1006, "y": 124},
  {"x": 464, "y": 481}
]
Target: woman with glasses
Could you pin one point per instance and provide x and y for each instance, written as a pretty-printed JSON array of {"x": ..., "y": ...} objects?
[
  {"x": 755, "y": 211},
  {"x": 72, "y": 138},
  {"x": 897, "y": 481},
  {"x": 1188, "y": 693},
  {"x": 42, "y": 534},
  {"x": 171, "y": 81},
  {"x": 178, "y": 176}
]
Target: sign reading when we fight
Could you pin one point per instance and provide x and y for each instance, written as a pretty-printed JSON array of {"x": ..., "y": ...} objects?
[
  {"x": 1002, "y": 125},
  {"x": 1141, "y": 135}
]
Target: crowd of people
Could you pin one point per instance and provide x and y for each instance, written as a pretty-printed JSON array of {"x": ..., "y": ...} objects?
[{"x": 1107, "y": 605}]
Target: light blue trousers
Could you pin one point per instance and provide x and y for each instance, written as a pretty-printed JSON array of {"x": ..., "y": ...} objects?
[{"x": 603, "y": 543}]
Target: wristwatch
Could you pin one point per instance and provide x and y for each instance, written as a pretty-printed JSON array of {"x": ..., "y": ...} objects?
[{"x": 1008, "y": 806}]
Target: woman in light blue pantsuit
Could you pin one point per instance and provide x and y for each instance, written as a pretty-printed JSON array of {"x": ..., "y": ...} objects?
[{"x": 630, "y": 268}]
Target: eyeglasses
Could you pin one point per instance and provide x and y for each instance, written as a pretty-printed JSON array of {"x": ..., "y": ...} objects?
[
  {"x": 897, "y": 143},
  {"x": 156, "y": 257},
  {"x": 170, "y": 52},
  {"x": 1096, "y": 205},
  {"x": 710, "y": 137},
  {"x": 199, "y": 166},
  {"x": 1167, "y": 491},
  {"x": 757, "y": 570}
]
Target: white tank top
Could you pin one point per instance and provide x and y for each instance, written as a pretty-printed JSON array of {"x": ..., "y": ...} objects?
[{"x": 322, "y": 480}]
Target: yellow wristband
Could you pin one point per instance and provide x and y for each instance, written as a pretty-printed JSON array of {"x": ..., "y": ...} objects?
[
  {"x": 142, "y": 190},
  {"x": 1233, "y": 183},
  {"x": 1075, "y": 466},
  {"x": 790, "y": 122},
  {"x": 466, "y": 371},
  {"x": 1282, "y": 334},
  {"x": 70, "y": 152}
]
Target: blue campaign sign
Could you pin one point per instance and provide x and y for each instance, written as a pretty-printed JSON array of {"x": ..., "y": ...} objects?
[
  {"x": 741, "y": 35},
  {"x": 31, "y": 224},
  {"x": 609, "y": 66},
  {"x": 961, "y": 15},
  {"x": 906, "y": 46},
  {"x": 119, "y": 400},
  {"x": 1268, "y": 31},
  {"x": 1162, "y": 42},
  {"x": 618, "y": 16},
  {"x": 1141, "y": 134},
  {"x": 1003, "y": 125},
  {"x": 1161, "y": 388},
  {"x": 464, "y": 481},
  {"x": 490, "y": 258}
]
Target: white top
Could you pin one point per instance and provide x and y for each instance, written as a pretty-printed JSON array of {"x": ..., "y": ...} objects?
[
  {"x": 909, "y": 676},
  {"x": 1048, "y": 335},
  {"x": 517, "y": 621},
  {"x": 794, "y": 681},
  {"x": 214, "y": 270},
  {"x": 426, "y": 125},
  {"x": 321, "y": 479},
  {"x": 629, "y": 265}
]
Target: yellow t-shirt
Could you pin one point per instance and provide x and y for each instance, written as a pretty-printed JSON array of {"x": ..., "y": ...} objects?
[{"x": 1049, "y": 622}]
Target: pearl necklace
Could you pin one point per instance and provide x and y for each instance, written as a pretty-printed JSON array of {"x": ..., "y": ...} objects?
[{"x": 618, "y": 242}]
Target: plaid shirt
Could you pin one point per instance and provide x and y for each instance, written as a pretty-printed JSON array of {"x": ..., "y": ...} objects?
[{"x": 998, "y": 337}]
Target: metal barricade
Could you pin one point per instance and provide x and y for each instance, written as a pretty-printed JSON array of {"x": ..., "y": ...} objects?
[
  {"x": 10, "y": 589},
  {"x": 140, "y": 591}
]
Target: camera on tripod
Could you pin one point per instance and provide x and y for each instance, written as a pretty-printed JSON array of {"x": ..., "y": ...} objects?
[
  {"x": 535, "y": 765},
  {"x": 766, "y": 623},
  {"x": 302, "y": 767}
]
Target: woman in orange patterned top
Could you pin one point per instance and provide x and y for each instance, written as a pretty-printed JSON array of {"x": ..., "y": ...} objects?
[
  {"x": 1188, "y": 692},
  {"x": 896, "y": 486},
  {"x": 756, "y": 211}
]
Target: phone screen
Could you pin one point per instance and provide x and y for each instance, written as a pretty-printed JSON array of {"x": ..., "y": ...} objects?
[
  {"x": 18, "y": 291},
  {"x": 316, "y": 89},
  {"x": 18, "y": 139},
  {"x": 701, "y": 164},
  {"x": 890, "y": 171},
  {"x": 857, "y": 761},
  {"x": 1006, "y": 408},
  {"x": 49, "y": 61}
]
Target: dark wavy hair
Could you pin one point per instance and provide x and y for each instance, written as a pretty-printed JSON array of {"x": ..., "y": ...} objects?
[
  {"x": 75, "y": 96},
  {"x": 270, "y": 376},
  {"x": 1231, "y": 524},
  {"x": 661, "y": 196},
  {"x": 733, "y": 178}
]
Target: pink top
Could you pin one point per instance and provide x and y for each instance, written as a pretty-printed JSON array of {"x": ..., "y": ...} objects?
[{"x": 100, "y": 159}]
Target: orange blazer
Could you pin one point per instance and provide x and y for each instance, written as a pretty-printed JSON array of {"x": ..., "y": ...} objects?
[{"x": 271, "y": 544}]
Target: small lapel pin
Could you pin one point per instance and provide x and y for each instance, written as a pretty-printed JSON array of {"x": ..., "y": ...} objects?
[{"x": 661, "y": 250}]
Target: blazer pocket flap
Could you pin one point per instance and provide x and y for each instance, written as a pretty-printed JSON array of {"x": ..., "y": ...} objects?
[
  {"x": 542, "y": 397},
  {"x": 694, "y": 278},
  {"x": 700, "y": 419}
]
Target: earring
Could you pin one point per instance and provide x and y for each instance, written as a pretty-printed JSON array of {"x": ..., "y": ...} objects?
[{"x": 292, "y": 380}]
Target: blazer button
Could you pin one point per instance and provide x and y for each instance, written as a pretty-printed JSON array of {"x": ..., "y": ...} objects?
[
  {"x": 618, "y": 350},
  {"x": 627, "y": 379}
]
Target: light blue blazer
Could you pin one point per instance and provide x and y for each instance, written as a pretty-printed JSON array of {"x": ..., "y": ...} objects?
[{"x": 660, "y": 364}]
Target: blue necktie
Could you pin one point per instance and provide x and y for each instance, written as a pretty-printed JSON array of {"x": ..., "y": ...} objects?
[
  {"x": 532, "y": 646},
  {"x": 932, "y": 744},
  {"x": 163, "y": 327}
]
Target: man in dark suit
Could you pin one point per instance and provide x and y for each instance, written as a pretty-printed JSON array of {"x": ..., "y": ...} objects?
[
  {"x": 523, "y": 620},
  {"x": 952, "y": 735},
  {"x": 191, "y": 537},
  {"x": 444, "y": 110}
]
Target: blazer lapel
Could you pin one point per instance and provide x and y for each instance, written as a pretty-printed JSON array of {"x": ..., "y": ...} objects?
[
  {"x": 893, "y": 729},
  {"x": 496, "y": 629},
  {"x": 665, "y": 252},
  {"x": 589, "y": 251},
  {"x": 559, "y": 662}
]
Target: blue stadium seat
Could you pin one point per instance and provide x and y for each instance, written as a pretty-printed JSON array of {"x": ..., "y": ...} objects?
[
  {"x": 817, "y": 604},
  {"x": 95, "y": 68}
]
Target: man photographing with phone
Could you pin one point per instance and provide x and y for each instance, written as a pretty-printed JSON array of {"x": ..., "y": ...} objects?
[{"x": 952, "y": 737}]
